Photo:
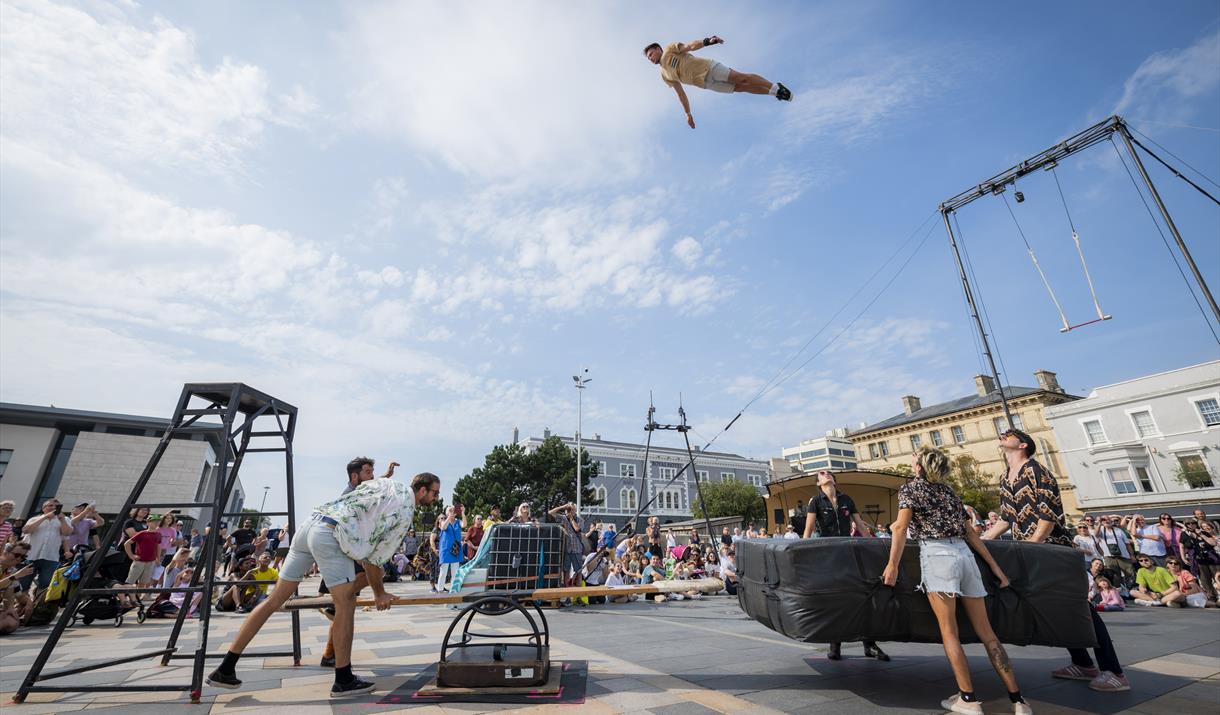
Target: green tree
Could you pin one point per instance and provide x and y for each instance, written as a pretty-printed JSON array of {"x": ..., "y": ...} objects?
[
  {"x": 975, "y": 487},
  {"x": 544, "y": 478},
  {"x": 731, "y": 498},
  {"x": 259, "y": 522},
  {"x": 425, "y": 517}
]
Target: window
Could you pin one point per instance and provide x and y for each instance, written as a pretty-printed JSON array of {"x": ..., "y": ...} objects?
[
  {"x": 884, "y": 447},
  {"x": 666, "y": 472},
  {"x": 914, "y": 443},
  {"x": 1093, "y": 431},
  {"x": 837, "y": 464},
  {"x": 1141, "y": 473},
  {"x": 6, "y": 455},
  {"x": 602, "y": 469},
  {"x": 1017, "y": 423},
  {"x": 1120, "y": 479},
  {"x": 849, "y": 453},
  {"x": 820, "y": 464},
  {"x": 1001, "y": 424},
  {"x": 849, "y": 465},
  {"x": 755, "y": 479},
  {"x": 59, "y": 463},
  {"x": 703, "y": 475},
  {"x": 626, "y": 498},
  {"x": 1144, "y": 425},
  {"x": 1209, "y": 410},
  {"x": 794, "y": 458},
  {"x": 626, "y": 470},
  {"x": 669, "y": 499},
  {"x": 836, "y": 452},
  {"x": 959, "y": 435},
  {"x": 728, "y": 476},
  {"x": 1194, "y": 471},
  {"x": 935, "y": 436},
  {"x": 873, "y": 452},
  {"x": 600, "y": 493}
]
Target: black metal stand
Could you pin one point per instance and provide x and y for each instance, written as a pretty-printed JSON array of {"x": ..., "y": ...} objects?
[
  {"x": 468, "y": 663},
  {"x": 650, "y": 426},
  {"x": 238, "y": 408}
]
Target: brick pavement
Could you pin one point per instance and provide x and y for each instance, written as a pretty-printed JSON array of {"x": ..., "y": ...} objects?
[{"x": 670, "y": 659}]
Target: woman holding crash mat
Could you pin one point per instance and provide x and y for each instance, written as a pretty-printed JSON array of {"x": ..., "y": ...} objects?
[{"x": 931, "y": 512}]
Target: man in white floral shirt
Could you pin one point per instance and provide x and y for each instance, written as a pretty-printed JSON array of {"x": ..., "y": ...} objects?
[{"x": 366, "y": 524}]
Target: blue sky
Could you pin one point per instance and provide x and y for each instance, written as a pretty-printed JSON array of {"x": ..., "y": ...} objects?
[{"x": 417, "y": 221}]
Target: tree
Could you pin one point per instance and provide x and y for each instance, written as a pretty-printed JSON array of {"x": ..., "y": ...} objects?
[
  {"x": 544, "y": 479},
  {"x": 731, "y": 498},
  {"x": 425, "y": 516},
  {"x": 975, "y": 487},
  {"x": 260, "y": 523}
]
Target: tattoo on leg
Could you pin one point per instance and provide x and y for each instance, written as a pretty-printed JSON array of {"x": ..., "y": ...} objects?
[{"x": 999, "y": 658}]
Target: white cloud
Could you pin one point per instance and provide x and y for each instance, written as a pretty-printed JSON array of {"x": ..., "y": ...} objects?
[
  {"x": 107, "y": 87},
  {"x": 528, "y": 91},
  {"x": 853, "y": 107},
  {"x": 1157, "y": 87},
  {"x": 688, "y": 251}
]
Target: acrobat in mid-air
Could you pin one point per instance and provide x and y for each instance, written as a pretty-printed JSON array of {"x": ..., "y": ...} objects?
[{"x": 679, "y": 67}]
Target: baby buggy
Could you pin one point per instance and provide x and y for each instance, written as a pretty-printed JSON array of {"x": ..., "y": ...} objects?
[{"x": 102, "y": 607}]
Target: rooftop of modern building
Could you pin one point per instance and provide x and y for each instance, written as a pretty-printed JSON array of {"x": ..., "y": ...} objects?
[{"x": 50, "y": 415}]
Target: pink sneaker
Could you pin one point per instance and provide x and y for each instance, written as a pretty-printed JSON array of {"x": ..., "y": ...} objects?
[
  {"x": 1108, "y": 682},
  {"x": 1075, "y": 672}
]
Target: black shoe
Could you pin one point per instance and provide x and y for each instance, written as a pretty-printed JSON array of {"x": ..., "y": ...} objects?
[
  {"x": 872, "y": 650},
  {"x": 223, "y": 680},
  {"x": 782, "y": 93},
  {"x": 327, "y": 662},
  {"x": 356, "y": 687},
  {"x": 834, "y": 652},
  {"x": 329, "y": 612}
]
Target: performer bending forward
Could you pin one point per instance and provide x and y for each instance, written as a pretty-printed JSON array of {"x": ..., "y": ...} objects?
[
  {"x": 933, "y": 513},
  {"x": 366, "y": 524},
  {"x": 679, "y": 67}
]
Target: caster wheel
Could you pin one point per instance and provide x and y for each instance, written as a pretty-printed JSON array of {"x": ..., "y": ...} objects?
[{"x": 87, "y": 620}]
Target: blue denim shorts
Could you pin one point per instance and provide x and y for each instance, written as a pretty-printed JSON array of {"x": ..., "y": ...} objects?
[
  {"x": 315, "y": 543},
  {"x": 948, "y": 567}
]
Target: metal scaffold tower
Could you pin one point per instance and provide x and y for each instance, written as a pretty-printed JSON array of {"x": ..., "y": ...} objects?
[{"x": 242, "y": 421}]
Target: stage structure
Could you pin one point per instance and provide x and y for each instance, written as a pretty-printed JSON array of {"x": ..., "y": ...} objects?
[
  {"x": 244, "y": 421},
  {"x": 650, "y": 426},
  {"x": 1048, "y": 160}
]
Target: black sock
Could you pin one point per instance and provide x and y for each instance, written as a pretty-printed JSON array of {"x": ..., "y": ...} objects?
[
  {"x": 229, "y": 664},
  {"x": 967, "y": 697},
  {"x": 1015, "y": 697},
  {"x": 343, "y": 675}
]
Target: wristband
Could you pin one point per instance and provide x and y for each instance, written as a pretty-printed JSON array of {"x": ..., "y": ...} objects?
[{"x": 707, "y": 41}]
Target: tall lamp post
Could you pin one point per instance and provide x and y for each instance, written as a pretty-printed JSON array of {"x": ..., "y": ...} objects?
[
  {"x": 580, "y": 381},
  {"x": 263, "y": 507}
]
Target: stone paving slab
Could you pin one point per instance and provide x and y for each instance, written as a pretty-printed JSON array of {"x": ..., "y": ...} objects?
[{"x": 670, "y": 659}]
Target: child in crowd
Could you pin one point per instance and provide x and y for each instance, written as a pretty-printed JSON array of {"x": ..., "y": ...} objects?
[{"x": 1110, "y": 598}]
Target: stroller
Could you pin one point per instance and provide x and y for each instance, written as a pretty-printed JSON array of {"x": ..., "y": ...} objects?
[{"x": 103, "y": 607}]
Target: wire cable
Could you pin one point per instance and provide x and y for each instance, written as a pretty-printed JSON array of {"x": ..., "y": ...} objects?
[
  {"x": 1165, "y": 240},
  {"x": 1176, "y": 173},
  {"x": 996, "y": 352},
  {"x": 1034, "y": 257},
  {"x": 1180, "y": 159}
]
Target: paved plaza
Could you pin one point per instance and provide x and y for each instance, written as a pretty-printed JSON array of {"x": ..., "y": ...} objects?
[{"x": 678, "y": 658}]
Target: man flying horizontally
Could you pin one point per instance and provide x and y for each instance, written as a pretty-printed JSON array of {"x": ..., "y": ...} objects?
[{"x": 679, "y": 67}]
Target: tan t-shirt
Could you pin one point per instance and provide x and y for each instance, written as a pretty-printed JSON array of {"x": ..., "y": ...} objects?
[{"x": 679, "y": 65}]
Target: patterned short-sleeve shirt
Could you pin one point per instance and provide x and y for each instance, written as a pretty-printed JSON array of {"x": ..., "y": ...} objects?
[
  {"x": 936, "y": 510},
  {"x": 373, "y": 519},
  {"x": 1032, "y": 497}
]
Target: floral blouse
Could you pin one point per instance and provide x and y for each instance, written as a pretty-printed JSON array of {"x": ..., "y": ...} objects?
[
  {"x": 936, "y": 510},
  {"x": 373, "y": 519}
]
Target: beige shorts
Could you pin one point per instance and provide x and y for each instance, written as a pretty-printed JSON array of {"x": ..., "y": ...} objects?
[
  {"x": 141, "y": 572},
  {"x": 717, "y": 79}
]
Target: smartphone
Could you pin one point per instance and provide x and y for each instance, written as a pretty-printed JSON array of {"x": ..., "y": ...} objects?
[{"x": 59, "y": 508}]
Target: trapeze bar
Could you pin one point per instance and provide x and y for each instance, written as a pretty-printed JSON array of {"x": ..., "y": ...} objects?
[{"x": 1087, "y": 322}]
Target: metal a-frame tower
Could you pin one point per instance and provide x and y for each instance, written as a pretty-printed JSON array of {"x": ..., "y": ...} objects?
[{"x": 242, "y": 420}]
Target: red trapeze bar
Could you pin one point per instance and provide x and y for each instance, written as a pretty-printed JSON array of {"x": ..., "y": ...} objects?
[{"x": 1087, "y": 322}]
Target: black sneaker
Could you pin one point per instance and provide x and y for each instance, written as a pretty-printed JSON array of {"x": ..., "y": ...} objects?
[
  {"x": 329, "y": 612},
  {"x": 356, "y": 687},
  {"x": 782, "y": 93},
  {"x": 327, "y": 662},
  {"x": 223, "y": 680}
]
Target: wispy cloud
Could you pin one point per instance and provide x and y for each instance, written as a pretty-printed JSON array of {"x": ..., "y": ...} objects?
[{"x": 1161, "y": 87}]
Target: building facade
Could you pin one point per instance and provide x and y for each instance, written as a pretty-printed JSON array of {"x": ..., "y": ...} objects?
[
  {"x": 968, "y": 428},
  {"x": 1148, "y": 444},
  {"x": 834, "y": 451},
  {"x": 80, "y": 456},
  {"x": 621, "y": 467}
]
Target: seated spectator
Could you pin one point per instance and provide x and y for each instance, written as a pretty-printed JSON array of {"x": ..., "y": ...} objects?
[
  {"x": 1153, "y": 582},
  {"x": 1110, "y": 598},
  {"x": 183, "y": 578},
  {"x": 728, "y": 571},
  {"x": 6, "y": 527},
  {"x": 15, "y": 603},
  {"x": 1187, "y": 591},
  {"x": 1088, "y": 545},
  {"x": 401, "y": 563},
  {"x": 241, "y": 598},
  {"x": 177, "y": 562},
  {"x": 654, "y": 571},
  {"x": 1098, "y": 571},
  {"x": 790, "y": 532}
]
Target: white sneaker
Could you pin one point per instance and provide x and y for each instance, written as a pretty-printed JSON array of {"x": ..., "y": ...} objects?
[
  {"x": 957, "y": 705},
  {"x": 1022, "y": 709}
]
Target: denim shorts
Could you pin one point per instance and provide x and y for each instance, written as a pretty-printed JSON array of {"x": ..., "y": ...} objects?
[
  {"x": 717, "y": 79},
  {"x": 948, "y": 567},
  {"x": 315, "y": 543}
]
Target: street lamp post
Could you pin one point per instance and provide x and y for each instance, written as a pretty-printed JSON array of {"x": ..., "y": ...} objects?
[
  {"x": 262, "y": 507},
  {"x": 580, "y": 381}
]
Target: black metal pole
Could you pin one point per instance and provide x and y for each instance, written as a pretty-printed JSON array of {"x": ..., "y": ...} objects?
[
  {"x": 1126, "y": 135},
  {"x": 974, "y": 313},
  {"x": 707, "y": 522}
]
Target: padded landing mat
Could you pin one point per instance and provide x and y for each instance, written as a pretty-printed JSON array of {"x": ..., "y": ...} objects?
[
  {"x": 827, "y": 590},
  {"x": 572, "y": 675}
]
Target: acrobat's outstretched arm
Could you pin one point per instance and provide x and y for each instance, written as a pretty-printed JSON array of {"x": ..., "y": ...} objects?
[
  {"x": 700, "y": 44},
  {"x": 690, "y": 120}
]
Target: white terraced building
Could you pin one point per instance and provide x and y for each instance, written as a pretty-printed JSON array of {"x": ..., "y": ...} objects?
[{"x": 621, "y": 465}]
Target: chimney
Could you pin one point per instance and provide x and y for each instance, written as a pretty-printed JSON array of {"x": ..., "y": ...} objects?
[
  {"x": 546, "y": 433},
  {"x": 910, "y": 404},
  {"x": 516, "y": 435},
  {"x": 597, "y": 437},
  {"x": 984, "y": 384},
  {"x": 1047, "y": 381}
]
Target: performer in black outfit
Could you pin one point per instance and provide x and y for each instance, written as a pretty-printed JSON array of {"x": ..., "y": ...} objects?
[{"x": 832, "y": 514}]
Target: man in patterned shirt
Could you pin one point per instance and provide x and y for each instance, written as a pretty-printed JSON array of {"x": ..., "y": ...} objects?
[
  {"x": 1030, "y": 505},
  {"x": 366, "y": 524},
  {"x": 679, "y": 67}
]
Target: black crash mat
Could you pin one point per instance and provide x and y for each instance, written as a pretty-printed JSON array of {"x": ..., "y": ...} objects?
[
  {"x": 829, "y": 590},
  {"x": 571, "y": 690}
]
